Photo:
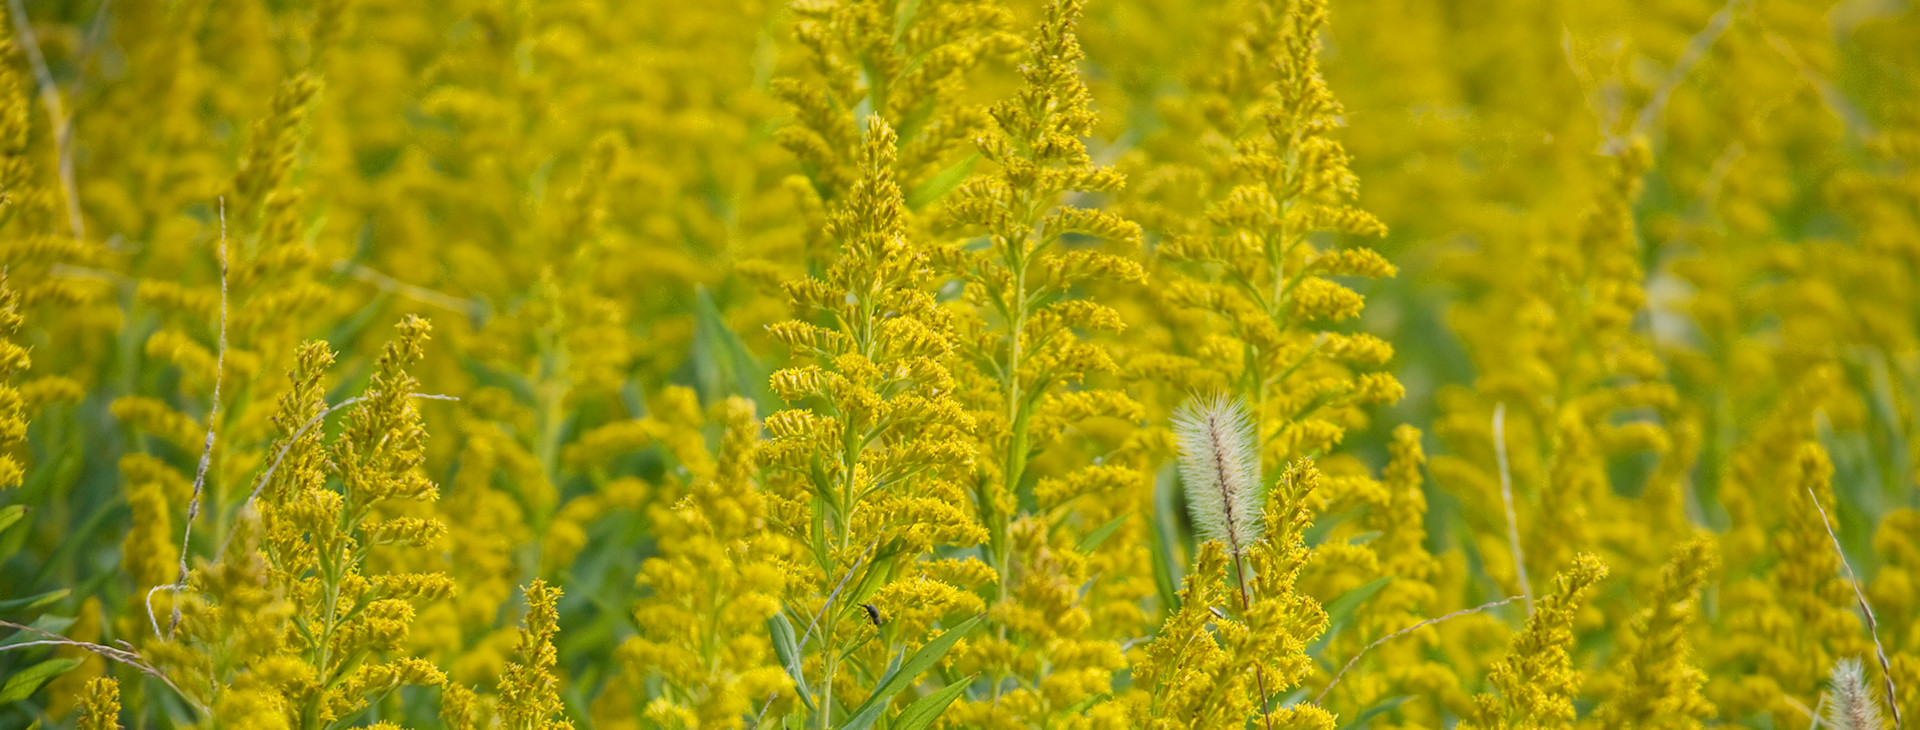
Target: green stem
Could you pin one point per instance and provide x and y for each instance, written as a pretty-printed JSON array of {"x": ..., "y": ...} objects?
[{"x": 833, "y": 667}]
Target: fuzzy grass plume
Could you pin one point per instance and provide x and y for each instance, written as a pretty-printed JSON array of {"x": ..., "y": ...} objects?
[
  {"x": 1220, "y": 466},
  {"x": 1851, "y": 706}
]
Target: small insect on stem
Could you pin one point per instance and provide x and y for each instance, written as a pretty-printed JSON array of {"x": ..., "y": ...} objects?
[{"x": 873, "y": 614}]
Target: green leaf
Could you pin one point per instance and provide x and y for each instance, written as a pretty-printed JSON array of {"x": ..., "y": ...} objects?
[
  {"x": 719, "y": 363},
  {"x": 1340, "y": 611},
  {"x": 23, "y": 685},
  {"x": 868, "y": 712},
  {"x": 789, "y": 653},
  {"x": 819, "y": 528},
  {"x": 1168, "y": 572},
  {"x": 11, "y": 515},
  {"x": 923, "y": 711},
  {"x": 30, "y": 603},
  {"x": 1364, "y": 537},
  {"x": 1101, "y": 533},
  {"x": 1360, "y": 720},
  {"x": 1081, "y": 707},
  {"x": 944, "y": 182},
  {"x": 903, "y": 17},
  {"x": 878, "y": 571}
]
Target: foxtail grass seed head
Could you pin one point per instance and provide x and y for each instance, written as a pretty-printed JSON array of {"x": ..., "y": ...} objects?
[
  {"x": 1851, "y": 704},
  {"x": 1220, "y": 468}
]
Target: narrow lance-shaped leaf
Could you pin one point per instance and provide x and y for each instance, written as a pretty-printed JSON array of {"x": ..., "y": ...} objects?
[{"x": 868, "y": 712}]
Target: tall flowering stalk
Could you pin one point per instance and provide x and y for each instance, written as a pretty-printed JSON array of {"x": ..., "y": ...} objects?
[
  {"x": 720, "y": 574},
  {"x": 529, "y": 691},
  {"x": 1217, "y": 661},
  {"x": 1028, "y": 331},
  {"x": 1240, "y": 196},
  {"x": 229, "y": 338},
  {"x": 1025, "y": 341},
  {"x": 864, "y": 468},
  {"x": 1537, "y": 680},
  {"x": 1658, "y": 683},
  {"x": 13, "y": 417},
  {"x": 906, "y": 63},
  {"x": 295, "y": 624}
]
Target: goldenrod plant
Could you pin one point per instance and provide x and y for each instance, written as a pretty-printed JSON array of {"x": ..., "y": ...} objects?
[
  {"x": 13, "y": 417},
  {"x": 959, "y": 364}
]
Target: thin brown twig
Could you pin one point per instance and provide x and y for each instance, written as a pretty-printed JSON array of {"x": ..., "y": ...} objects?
[
  {"x": 206, "y": 451},
  {"x": 1696, "y": 50},
  {"x": 1506, "y": 495},
  {"x": 128, "y": 657},
  {"x": 1873, "y": 626},
  {"x": 411, "y": 291},
  {"x": 1407, "y": 630},
  {"x": 1849, "y": 115}
]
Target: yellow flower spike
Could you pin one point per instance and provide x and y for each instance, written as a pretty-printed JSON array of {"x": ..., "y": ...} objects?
[
  {"x": 529, "y": 691},
  {"x": 149, "y": 550},
  {"x": 100, "y": 707},
  {"x": 13, "y": 414},
  {"x": 1809, "y": 587},
  {"x": 1237, "y": 194},
  {"x": 1657, "y": 684},
  {"x": 718, "y": 578},
  {"x": 1210, "y": 662},
  {"x": 285, "y": 624},
  {"x": 14, "y": 122},
  {"x": 906, "y": 64},
  {"x": 463, "y": 709},
  {"x": 1027, "y": 326},
  {"x": 1537, "y": 681},
  {"x": 861, "y": 467},
  {"x": 270, "y": 154}
]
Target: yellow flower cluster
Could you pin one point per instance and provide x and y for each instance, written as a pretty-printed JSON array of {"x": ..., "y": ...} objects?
[
  {"x": 719, "y": 576},
  {"x": 13, "y": 416},
  {"x": 100, "y": 710},
  {"x": 1536, "y": 681},
  {"x": 1240, "y": 195},
  {"x": 294, "y": 624},
  {"x": 529, "y": 690},
  {"x": 1198, "y": 668},
  {"x": 865, "y": 474}
]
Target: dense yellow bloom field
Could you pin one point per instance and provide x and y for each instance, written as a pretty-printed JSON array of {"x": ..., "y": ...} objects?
[{"x": 998, "y": 364}]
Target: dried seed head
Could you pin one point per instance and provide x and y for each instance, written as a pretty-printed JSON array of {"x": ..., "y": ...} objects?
[
  {"x": 1852, "y": 705},
  {"x": 1220, "y": 465}
]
